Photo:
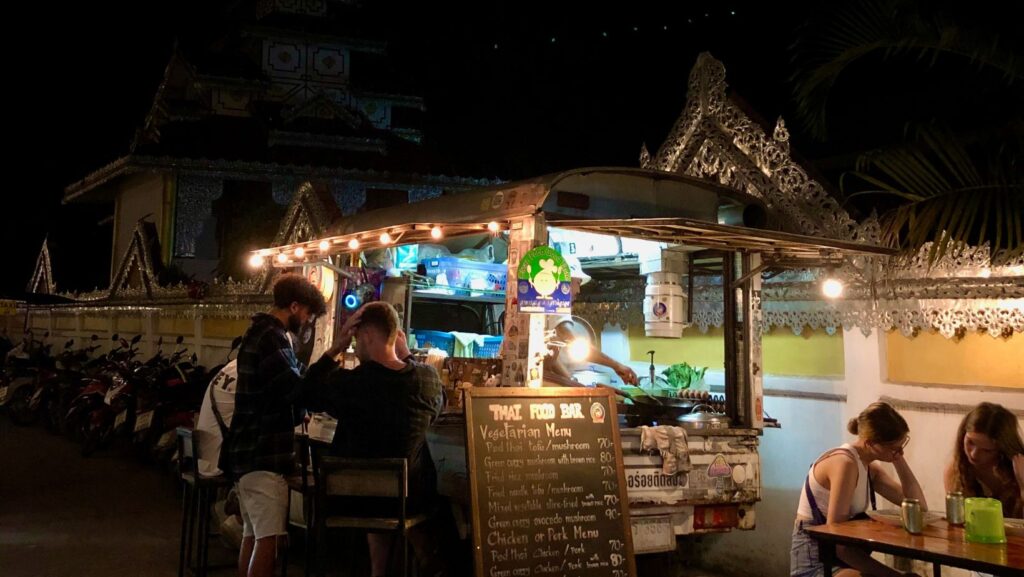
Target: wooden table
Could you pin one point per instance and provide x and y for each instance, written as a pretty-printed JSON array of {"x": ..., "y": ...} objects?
[{"x": 940, "y": 544}]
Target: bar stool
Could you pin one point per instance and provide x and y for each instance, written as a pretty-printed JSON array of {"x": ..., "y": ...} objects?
[
  {"x": 199, "y": 494},
  {"x": 303, "y": 484}
]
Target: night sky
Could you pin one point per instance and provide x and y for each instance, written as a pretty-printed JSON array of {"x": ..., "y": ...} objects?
[{"x": 513, "y": 89}]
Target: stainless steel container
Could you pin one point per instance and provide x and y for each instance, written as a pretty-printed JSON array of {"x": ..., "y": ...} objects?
[
  {"x": 955, "y": 508},
  {"x": 913, "y": 517}
]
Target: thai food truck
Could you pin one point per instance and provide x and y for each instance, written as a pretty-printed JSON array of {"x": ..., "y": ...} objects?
[{"x": 638, "y": 242}]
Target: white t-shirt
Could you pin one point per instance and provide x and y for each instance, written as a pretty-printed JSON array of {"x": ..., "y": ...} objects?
[{"x": 210, "y": 436}]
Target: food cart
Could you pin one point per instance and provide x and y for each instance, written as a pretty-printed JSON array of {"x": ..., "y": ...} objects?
[{"x": 688, "y": 227}]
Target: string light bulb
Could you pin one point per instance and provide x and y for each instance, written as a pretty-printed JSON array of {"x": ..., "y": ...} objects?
[
  {"x": 385, "y": 238},
  {"x": 300, "y": 252},
  {"x": 493, "y": 226},
  {"x": 324, "y": 245},
  {"x": 436, "y": 232},
  {"x": 282, "y": 258},
  {"x": 353, "y": 244},
  {"x": 255, "y": 261}
]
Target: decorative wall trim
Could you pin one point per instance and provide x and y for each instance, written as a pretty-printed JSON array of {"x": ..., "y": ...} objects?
[{"x": 929, "y": 407}]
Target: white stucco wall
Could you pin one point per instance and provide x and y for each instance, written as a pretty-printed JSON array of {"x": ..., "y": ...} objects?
[{"x": 139, "y": 195}]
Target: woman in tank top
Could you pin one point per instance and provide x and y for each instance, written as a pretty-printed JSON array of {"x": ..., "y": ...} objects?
[{"x": 842, "y": 482}]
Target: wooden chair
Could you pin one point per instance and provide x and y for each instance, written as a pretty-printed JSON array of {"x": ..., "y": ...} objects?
[{"x": 353, "y": 479}]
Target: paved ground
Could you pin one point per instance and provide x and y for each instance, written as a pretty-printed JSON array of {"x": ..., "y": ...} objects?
[
  {"x": 61, "y": 514},
  {"x": 112, "y": 516}
]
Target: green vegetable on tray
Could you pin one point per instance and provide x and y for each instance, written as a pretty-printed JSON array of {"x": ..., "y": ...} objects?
[{"x": 682, "y": 376}]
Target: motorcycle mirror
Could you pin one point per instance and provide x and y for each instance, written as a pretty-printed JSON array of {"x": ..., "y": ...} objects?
[
  {"x": 115, "y": 337},
  {"x": 179, "y": 340},
  {"x": 68, "y": 344},
  {"x": 46, "y": 335},
  {"x": 159, "y": 342},
  {"x": 136, "y": 339},
  {"x": 195, "y": 358},
  {"x": 94, "y": 337},
  {"x": 237, "y": 342},
  {"x": 124, "y": 344}
]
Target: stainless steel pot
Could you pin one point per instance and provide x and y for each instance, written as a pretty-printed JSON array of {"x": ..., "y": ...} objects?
[{"x": 703, "y": 418}]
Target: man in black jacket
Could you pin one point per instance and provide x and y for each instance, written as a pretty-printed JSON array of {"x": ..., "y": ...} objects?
[{"x": 384, "y": 408}]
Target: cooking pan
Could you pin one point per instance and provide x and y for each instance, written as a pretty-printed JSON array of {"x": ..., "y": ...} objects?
[{"x": 647, "y": 409}]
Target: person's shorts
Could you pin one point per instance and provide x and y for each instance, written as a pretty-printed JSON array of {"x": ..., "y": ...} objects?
[
  {"x": 263, "y": 499},
  {"x": 803, "y": 554}
]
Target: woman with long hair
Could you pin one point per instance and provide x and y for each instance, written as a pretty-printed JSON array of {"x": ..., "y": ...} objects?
[
  {"x": 988, "y": 458},
  {"x": 841, "y": 484}
]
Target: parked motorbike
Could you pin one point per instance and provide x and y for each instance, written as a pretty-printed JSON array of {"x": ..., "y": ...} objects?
[{"x": 21, "y": 372}]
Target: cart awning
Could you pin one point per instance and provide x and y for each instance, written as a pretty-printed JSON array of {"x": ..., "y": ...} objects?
[{"x": 697, "y": 233}]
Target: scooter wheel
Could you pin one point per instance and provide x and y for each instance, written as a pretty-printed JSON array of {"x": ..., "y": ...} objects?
[{"x": 20, "y": 408}]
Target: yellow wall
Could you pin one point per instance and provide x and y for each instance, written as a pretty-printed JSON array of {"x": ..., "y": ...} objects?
[
  {"x": 98, "y": 324},
  {"x": 225, "y": 328},
  {"x": 696, "y": 348},
  {"x": 64, "y": 322},
  {"x": 129, "y": 325},
  {"x": 176, "y": 326},
  {"x": 976, "y": 359},
  {"x": 812, "y": 353}
]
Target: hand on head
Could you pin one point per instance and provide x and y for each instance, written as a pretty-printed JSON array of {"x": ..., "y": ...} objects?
[
  {"x": 401, "y": 345},
  {"x": 343, "y": 338}
]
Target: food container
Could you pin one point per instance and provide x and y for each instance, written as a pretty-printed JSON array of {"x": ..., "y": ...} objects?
[{"x": 703, "y": 418}]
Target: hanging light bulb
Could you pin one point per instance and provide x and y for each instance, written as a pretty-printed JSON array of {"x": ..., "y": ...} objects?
[
  {"x": 300, "y": 252},
  {"x": 353, "y": 244},
  {"x": 324, "y": 245},
  {"x": 282, "y": 258},
  {"x": 255, "y": 261},
  {"x": 436, "y": 233},
  {"x": 385, "y": 238},
  {"x": 493, "y": 226},
  {"x": 832, "y": 288}
]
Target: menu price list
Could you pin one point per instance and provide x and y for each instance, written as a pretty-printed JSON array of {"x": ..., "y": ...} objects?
[{"x": 548, "y": 495}]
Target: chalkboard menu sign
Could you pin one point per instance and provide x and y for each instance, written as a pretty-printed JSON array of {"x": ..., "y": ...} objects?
[{"x": 548, "y": 490}]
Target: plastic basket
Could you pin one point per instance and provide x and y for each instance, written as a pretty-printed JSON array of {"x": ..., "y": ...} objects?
[
  {"x": 435, "y": 339},
  {"x": 490, "y": 349}
]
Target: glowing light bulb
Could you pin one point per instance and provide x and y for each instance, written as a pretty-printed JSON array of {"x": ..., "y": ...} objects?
[
  {"x": 282, "y": 258},
  {"x": 832, "y": 288},
  {"x": 436, "y": 232},
  {"x": 493, "y": 226},
  {"x": 578, "y": 350},
  {"x": 255, "y": 261},
  {"x": 385, "y": 238},
  {"x": 353, "y": 244},
  {"x": 324, "y": 245},
  {"x": 300, "y": 252}
]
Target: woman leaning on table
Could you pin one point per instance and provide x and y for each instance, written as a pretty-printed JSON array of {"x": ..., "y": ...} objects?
[
  {"x": 988, "y": 458},
  {"x": 840, "y": 485}
]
